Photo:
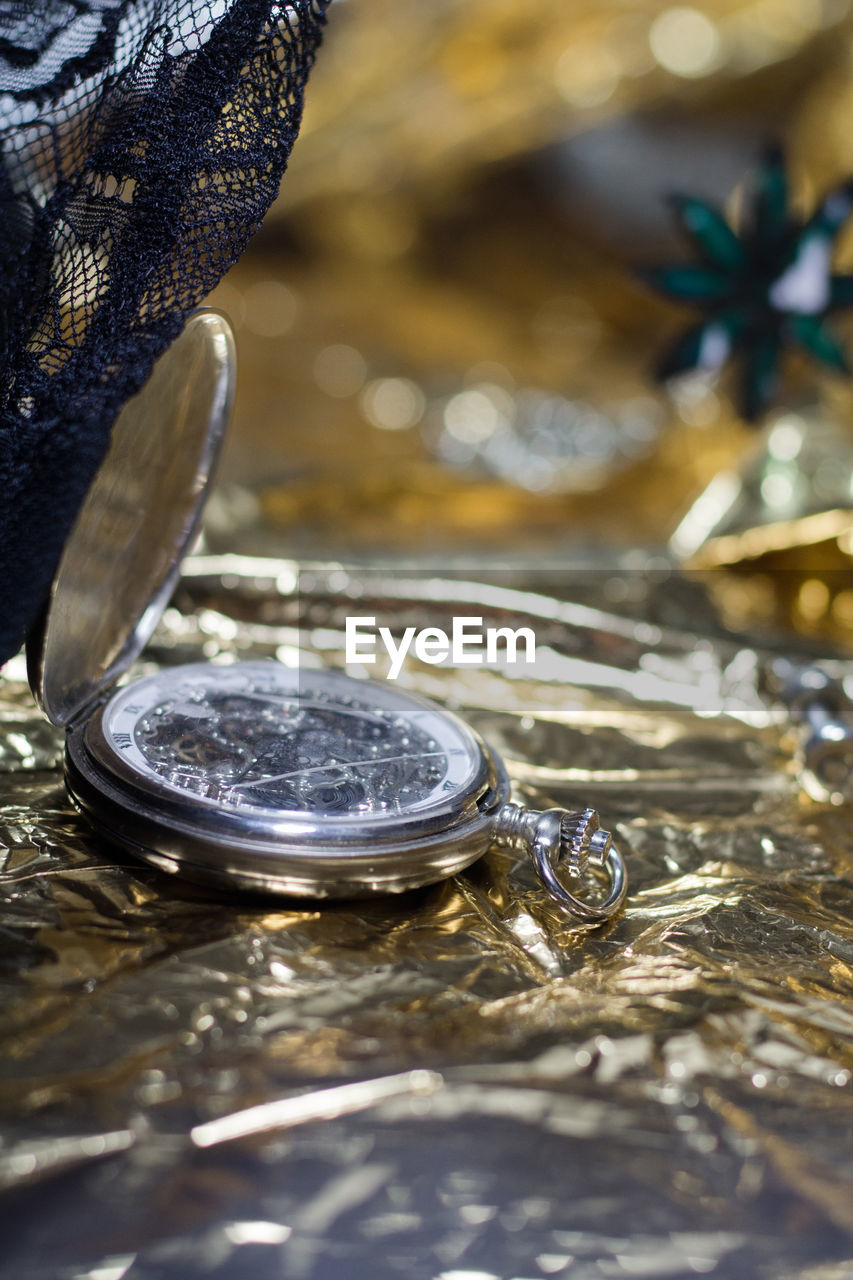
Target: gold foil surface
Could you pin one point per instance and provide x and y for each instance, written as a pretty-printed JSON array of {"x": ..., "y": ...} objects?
[{"x": 458, "y": 1082}]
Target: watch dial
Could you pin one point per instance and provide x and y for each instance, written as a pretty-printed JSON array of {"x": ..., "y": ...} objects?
[{"x": 260, "y": 735}]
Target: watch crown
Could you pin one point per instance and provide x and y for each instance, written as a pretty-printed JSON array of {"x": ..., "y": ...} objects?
[
  {"x": 582, "y": 838},
  {"x": 557, "y": 839}
]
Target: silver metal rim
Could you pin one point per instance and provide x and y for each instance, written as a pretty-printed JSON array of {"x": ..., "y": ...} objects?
[
  {"x": 64, "y": 689},
  {"x": 588, "y": 912},
  {"x": 297, "y": 856}
]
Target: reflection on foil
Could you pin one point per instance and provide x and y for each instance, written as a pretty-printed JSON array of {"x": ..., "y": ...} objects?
[
  {"x": 322, "y": 1104},
  {"x": 455, "y": 1082}
]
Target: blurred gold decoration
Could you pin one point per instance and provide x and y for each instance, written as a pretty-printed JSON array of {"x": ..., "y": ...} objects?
[
  {"x": 411, "y": 97},
  {"x": 785, "y": 523},
  {"x": 795, "y": 490}
]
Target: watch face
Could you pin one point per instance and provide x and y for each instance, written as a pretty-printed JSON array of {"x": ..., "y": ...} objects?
[{"x": 261, "y": 736}]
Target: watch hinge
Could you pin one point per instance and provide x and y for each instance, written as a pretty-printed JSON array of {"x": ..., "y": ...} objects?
[{"x": 87, "y": 710}]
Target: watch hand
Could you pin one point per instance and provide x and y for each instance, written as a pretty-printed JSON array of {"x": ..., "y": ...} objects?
[
  {"x": 251, "y": 765},
  {"x": 303, "y": 705},
  {"x": 324, "y": 768}
]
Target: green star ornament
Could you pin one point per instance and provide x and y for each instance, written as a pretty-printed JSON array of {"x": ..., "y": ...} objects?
[{"x": 768, "y": 286}]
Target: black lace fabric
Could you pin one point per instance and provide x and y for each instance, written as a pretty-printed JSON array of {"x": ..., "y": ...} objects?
[{"x": 141, "y": 143}]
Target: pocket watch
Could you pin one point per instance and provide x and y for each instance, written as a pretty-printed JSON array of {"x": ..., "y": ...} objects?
[{"x": 297, "y": 781}]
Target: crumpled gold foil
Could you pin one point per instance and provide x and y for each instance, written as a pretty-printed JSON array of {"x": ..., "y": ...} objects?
[{"x": 456, "y": 1082}]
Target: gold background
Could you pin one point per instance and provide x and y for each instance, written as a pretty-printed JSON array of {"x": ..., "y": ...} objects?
[{"x": 470, "y": 208}]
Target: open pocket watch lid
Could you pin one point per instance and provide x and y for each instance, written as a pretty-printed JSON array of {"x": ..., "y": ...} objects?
[{"x": 123, "y": 556}]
